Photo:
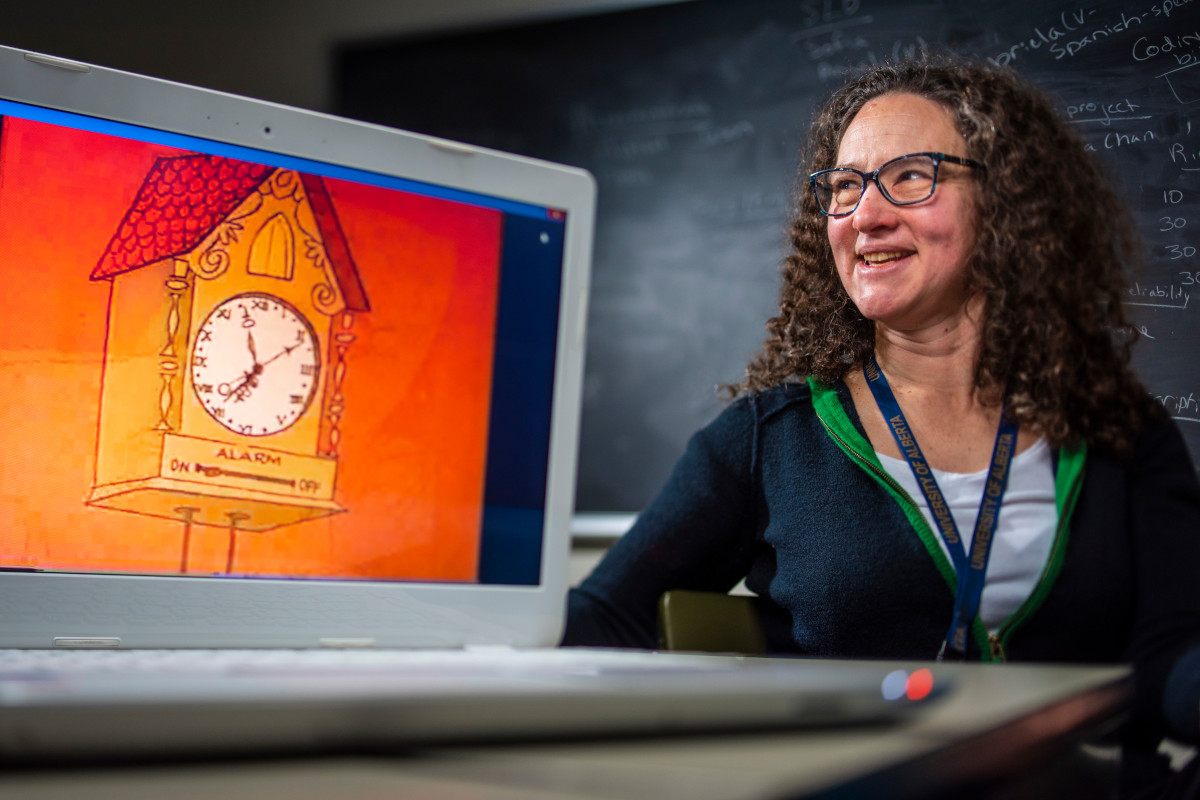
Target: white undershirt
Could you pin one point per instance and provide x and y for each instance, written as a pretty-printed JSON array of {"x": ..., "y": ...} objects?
[{"x": 1028, "y": 519}]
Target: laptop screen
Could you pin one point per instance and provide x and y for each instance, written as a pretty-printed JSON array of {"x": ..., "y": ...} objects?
[{"x": 222, "y": 361}]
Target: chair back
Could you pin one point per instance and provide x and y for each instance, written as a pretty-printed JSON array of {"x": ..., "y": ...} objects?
[{"x": 709, "y": 622}]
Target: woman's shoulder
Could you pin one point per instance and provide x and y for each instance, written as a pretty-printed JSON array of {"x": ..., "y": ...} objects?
[
  {"x": 1157, "y": 461},
  {"x": 792, "y": 395},
  {"x": 748, "y": 414},
  {"x": 1160, "y": 440},
  {"x": 1151, "y": 430}
]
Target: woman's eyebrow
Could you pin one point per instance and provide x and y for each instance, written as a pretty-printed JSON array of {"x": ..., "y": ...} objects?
[{"x": 860, "y": 164}]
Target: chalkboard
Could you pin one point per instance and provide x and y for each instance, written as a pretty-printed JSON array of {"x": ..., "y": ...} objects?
[{"x": 691, "y": 116}]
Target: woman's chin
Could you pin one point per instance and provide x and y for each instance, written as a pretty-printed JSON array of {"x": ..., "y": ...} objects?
[
  {"x": 897, "y": 315},
  {"x": 913, "y": 321},
  {"x": 881, "y": 310}
]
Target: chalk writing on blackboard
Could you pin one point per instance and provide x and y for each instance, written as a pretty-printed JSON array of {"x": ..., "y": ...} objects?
[
  {"x": 1158, "y": 295},
  {"x": 1076, "y": 30},
  {"x": 1068, "y": 23},
  {"x": 1181, "y": 406},
  {"x": 1184, "y": 81},
  {"x": 1105, "y": 112},
  {"x": 1186, "y": 159},
  {"x": 1147, "y": 47}
]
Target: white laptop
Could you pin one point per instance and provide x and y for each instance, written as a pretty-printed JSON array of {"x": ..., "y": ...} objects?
[{"x": 273, "y": 379}]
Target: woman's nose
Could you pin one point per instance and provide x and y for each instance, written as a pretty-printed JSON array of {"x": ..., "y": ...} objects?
[{"x": 874, "y": 210}]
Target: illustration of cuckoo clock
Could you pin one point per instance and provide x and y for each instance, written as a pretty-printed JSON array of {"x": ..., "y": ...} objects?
[{"x": 231, "y": 309}]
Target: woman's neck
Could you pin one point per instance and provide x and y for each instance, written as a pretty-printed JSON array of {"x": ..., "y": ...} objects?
[
  {"x": 932, "y": 373},
  {"x": 935, "y": 363}
]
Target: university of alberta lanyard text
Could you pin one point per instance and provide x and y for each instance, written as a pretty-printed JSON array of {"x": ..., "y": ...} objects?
[{"x": 971, "y": 571}]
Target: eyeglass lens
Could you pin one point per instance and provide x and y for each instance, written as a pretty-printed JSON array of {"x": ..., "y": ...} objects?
[{"x": 905, "y": 180}]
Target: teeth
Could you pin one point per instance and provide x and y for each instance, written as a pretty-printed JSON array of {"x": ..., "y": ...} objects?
[{"x": 879, "y": 258}]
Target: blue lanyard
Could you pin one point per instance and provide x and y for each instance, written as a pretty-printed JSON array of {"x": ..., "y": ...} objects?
[{"x": 971, "y": 570}]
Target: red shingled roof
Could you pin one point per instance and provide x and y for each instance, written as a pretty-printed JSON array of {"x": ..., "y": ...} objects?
[{"x": 182, "y": 200}]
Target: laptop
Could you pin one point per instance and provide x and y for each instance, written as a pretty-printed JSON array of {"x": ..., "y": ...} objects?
[{"x": 279, "y": 382}]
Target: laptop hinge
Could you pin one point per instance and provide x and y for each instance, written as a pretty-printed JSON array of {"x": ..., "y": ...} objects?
[{"x": 87, "y": 642}]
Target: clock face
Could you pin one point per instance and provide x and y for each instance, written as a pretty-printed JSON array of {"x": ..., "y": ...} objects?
[{"x": 255, "y": 364}]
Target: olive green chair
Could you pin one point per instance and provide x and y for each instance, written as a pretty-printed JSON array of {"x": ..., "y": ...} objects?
[{"x": 709, "y": 622}]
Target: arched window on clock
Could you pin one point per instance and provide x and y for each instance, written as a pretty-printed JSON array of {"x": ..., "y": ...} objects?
[{"x": 273, "y": 251}]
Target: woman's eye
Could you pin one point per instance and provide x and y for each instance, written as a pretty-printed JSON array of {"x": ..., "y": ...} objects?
[{"x": 912, "y": 175}]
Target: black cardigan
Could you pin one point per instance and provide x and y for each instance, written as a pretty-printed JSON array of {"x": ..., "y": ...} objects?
[{"x": 780, "y": 489}]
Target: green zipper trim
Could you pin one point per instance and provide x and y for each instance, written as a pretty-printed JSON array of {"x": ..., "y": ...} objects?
[
  {"x": 833, "y": 416},
  {"x": 1068, "y": 481}
]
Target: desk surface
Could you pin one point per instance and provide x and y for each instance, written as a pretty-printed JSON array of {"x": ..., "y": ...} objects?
[{"x": 998, "y": 717}]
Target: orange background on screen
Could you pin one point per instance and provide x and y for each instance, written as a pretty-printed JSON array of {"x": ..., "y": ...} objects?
[{"x": 417, "y": 385}]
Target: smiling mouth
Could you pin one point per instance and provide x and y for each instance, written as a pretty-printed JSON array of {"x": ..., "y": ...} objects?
[{"x": 875, "y": 259}]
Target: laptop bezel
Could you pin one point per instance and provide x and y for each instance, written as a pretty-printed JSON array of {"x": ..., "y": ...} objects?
[{"x": 45, "y": 608}]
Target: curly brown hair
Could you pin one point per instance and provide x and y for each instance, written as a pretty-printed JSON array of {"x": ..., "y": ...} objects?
[{"x": 1050, "y": 256}]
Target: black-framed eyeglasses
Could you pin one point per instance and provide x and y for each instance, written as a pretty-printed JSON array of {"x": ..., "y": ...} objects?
[{"x": 904, "y": 180}]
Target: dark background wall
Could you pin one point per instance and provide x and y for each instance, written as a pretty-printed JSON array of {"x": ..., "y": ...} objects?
[
  {"x": 691, "y": 115},
  {"x": 279, "y": 50}
]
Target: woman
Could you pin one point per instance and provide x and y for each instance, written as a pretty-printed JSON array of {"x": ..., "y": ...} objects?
[{"x": 948, "y": 311}]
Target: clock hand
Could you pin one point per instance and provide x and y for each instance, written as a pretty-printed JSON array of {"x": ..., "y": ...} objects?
[
  {"x": 249, "y": 378},
  {"x": 284, "y": 352},
  {"x": 242, "y": 390}
]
